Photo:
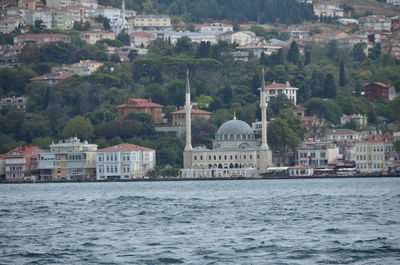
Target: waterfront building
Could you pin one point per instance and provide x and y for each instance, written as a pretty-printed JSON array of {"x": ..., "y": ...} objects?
[
  {"x": 317, "y": 153},
  {"x": 236, "y": 151},
  {"x": 20, "y": 162},
  {"x": 124, "y": 161},
  {"x": 70, "y": 159},
  {"x": 375, "y": 153},
  {"x": 137, "y": 105}
]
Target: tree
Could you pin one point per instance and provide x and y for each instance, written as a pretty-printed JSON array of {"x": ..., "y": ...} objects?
[
  {"x": 359, "y": 52},
  {"x": 307, "y": 57},
  {"x": 342, "y": 76},
  {"x": 324, "y": 108},
  {"x": 133, "y": 54},
  {"x": 394, "y": 108},
  {"x": 79, "y": 127},
  {"x": 124, "y": 38},
  {"x": 397, "y": 146},
  {"x": 329, "y": 86},
  {"x": 281, "y": 137},
  {"x": 333, "y": 49},
  {"x": 294, "y": 53},
  {"x": 148, "y": 7},
  {"x": 38, "y": 24},
  {"x": 279, "y": 103}
]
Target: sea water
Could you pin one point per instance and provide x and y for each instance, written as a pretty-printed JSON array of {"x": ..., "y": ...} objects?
[{"x": 305, "y": 221}]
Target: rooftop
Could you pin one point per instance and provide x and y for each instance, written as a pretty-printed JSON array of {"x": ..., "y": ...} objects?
[{"x": 125, "y": 147}]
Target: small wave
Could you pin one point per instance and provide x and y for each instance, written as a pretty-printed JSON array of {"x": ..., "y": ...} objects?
[
  {"x": 337, "y": 231},
  {"x": 169, "y": 261}
]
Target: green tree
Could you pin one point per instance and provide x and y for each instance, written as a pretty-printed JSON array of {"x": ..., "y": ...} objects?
[
  {"x": 332, "y": 49},
  {"x": 281, "y": 137},
  {"x": 329, "y": 86},
  {"x": 359, "y": 52},
  {"x": 79, "y": 127},
  {"x": 42, "y": 142},
  {"x": 394, "y": 108},
  {"x": 124, "y": 38},
  {"x": 342, "y": 76},
  {"x": 324, "y": 108},
  {"x": 38, "y": 24},
  {"x": 294, "y": 53}
]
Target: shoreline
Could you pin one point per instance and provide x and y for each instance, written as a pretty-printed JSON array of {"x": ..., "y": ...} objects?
[{"x": 192, "y": 179}]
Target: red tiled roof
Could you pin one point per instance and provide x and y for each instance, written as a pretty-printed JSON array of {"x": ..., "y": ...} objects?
[
  {"x": 52, "y": 76},
  {"x": 194, "y": 111},
  {"x": 23, "y": 149},
  {"x": 103, "y": 32},
  {"x": 140, "y": 34},
  {"x": 139, "y": 103},
  {"x": 126, "y": 147},
  {"x": 279, "y": 85},
  {"x": 378, "y": 84},
  {"x": 377, "y": 138}
]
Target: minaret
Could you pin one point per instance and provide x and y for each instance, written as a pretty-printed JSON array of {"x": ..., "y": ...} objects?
[
  {"x": 123, "y": 14},
  {"x": 263, "y": 106},
  {"x": 188, "y": 110}
]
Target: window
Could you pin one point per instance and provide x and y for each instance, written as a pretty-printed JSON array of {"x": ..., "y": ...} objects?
[{"x": 322, "y": 154}]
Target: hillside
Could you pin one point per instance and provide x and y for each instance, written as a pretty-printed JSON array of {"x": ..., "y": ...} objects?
[{"x": 373, "y": 6}]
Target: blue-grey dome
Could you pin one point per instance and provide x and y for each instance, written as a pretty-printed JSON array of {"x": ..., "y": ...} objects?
[{"x": 234, "y": 130}]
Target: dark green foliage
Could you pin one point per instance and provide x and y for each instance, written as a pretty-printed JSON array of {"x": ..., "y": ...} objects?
[
  {"x": 325, "y": 108},
  {"x": 294, "y": 53},
  {"x": 330, "y": 86},
  {"x": 359, "y": 53},
  {"x": 105, "y": 21},
  {"x": 124, "y": 38},
  {"x": 333, "y": 50},
  {"x": 342, "y": 75}
]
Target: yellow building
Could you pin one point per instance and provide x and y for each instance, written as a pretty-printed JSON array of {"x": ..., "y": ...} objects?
[{"x": 152, "y": 21}]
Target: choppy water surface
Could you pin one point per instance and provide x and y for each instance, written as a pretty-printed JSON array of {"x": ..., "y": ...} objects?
[{"x": 325, "y": 221}]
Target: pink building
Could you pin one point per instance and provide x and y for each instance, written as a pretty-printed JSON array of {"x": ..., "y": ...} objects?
[
  {"x": 141, "y": 38},
  {"x": 40, "y": 39},
  {"x": 20, "y": 162}
]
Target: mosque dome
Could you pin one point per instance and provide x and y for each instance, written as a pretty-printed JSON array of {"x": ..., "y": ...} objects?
[{"x": 234, "y": 130}]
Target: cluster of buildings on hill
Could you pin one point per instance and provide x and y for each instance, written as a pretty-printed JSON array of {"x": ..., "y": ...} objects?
[
  {"x": 73, "y": 159},
  {"x": 143, "y": 29},
  {"x": 236, "y": 151}
]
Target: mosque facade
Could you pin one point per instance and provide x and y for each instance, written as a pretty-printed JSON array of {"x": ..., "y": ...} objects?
[{"x": 236, "y": 151}]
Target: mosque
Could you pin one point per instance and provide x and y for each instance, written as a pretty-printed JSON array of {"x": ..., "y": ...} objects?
[{"x": 236, "y": 151}]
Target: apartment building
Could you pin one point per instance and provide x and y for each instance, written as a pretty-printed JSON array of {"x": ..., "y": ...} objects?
[{"x": 70, "y": 159}]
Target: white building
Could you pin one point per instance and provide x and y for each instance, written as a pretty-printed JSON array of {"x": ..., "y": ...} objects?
[
  {"x": 317, "y": 153},
  {"x": 214, "y": 27},
  {"x": 68, "y": 160},
  {"x": 375, "y": 153},
  {"x": 257, "y": 49},
  {"x": 360, "y": 120},
  {"x": 59, "y": 3},
  {"x": 393, "y": 2},
  {"x": 112, "y": 13},
  {"x": 274, "y": 89},
  {"x": 328, "y": 9},
  {"x": 89, "y": 3},
  {"x": 342, "y": 135},
  {"x": 197, "y": 37},
  {"x": 124, "y": 161},
  {"x": 240, "y": 37},
  {"x": 236, "y": 151},
  {"x": 375, "y": 22}
]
